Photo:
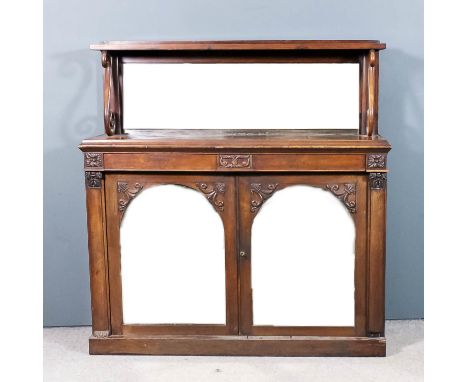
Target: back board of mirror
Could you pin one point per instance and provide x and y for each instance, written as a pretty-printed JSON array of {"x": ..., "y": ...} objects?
[{"x": 241, "y": 96}]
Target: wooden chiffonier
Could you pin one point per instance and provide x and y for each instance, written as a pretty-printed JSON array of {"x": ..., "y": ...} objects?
[{"x": 236, "y": 204}]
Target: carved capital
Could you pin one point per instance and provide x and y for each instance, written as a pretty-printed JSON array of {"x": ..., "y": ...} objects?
[
  {"x": 346, "y": 193},
  {"x": 93, "y": 160},
  {"x": 260, "y": 193},
  {"x": 378, "y": 180},
  {"x": 126, "y": 195},
  {"x": 234, "y": 161},
  {"x": 376, "y": 161},
  {"x": 214, "y": 193},
  {"x": 93, "y": 179}
]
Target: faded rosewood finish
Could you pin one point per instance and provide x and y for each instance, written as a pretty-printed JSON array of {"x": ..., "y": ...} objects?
[{"x": 237, "y": 171}]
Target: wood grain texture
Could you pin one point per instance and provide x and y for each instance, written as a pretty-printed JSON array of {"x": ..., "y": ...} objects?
[
  {"x": 257, "y": 162},
  {"x": 238, "y": 141},
  {"x": 241, "y": 346},
  {"x": 376, "y": 255},
  {"x": 97, "y": 249},
  {"x": 239, "y": 45}
]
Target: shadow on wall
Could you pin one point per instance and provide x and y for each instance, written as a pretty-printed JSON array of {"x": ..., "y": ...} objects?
[
  {"x": 80, "y": 66},
  {"x": 401, "y": 120},
  {"x": 73, "y": 114}
]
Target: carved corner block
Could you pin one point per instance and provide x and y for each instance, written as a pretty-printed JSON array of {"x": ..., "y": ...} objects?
[
  {"x": 234, "y": 161},
  {"x": 214, "y": 193},
  {"x": 376, "y": 162},
  {"x": 93, "y": 160},
  {"x": 93, "y": 179},
  {"x": 346, "y": 193},
  {"x": 378, "y": 180}
]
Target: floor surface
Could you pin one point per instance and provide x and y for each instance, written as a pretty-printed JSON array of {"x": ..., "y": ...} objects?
[{"x": 66, "y": 359}]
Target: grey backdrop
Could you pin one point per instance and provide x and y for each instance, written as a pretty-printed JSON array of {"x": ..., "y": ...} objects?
[{"x": 72, "y": 111}]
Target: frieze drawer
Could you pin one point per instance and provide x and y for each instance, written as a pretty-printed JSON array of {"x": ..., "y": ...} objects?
[{"x": 233, "y": 162}]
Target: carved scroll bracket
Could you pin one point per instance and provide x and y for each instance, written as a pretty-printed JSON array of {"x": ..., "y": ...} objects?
[
  {"x": 260, "y": 193},
  {"x": 126, "y": 194},
  {"x": 346, "y": 193},
  {"x": 214, "y": 193},
  {"x": 371, "y": 95},
  {"x": 93, "y": 179},
  {"x": 112, "y": 93},
  {"x": 105, "y": 59},
  {"x": 378, "y": 180}
]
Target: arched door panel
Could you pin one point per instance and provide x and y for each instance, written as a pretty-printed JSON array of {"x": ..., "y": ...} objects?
[
  {"x": 302, "y": 255},
  {"x": 175, "y": 261}
]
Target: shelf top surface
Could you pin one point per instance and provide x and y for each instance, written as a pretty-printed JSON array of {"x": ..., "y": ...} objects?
[
  {"x": 210, "y": 140},
  {"x": 239, "y": 45}
]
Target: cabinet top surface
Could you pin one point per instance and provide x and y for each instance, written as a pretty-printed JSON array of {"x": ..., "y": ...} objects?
[
  {"x": 209, "y": 140},
  {"x": 239, "y": 45}
]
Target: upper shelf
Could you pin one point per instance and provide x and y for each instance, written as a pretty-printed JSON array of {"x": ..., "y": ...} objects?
[
  {"x": 239, "y": 45},
  {"x": 360, "y": 57}
]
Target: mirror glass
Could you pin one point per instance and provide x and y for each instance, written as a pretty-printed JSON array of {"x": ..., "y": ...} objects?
[
  {"x": 172, "y": 259},
  {"x": 302, "y": 255},
  {"x": 241, "y": 96}
]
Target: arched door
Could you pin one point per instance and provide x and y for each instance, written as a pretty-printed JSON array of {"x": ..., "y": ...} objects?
[
  {"x": 301, "y": 255},
  {"x": 171, "y": 254}
]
